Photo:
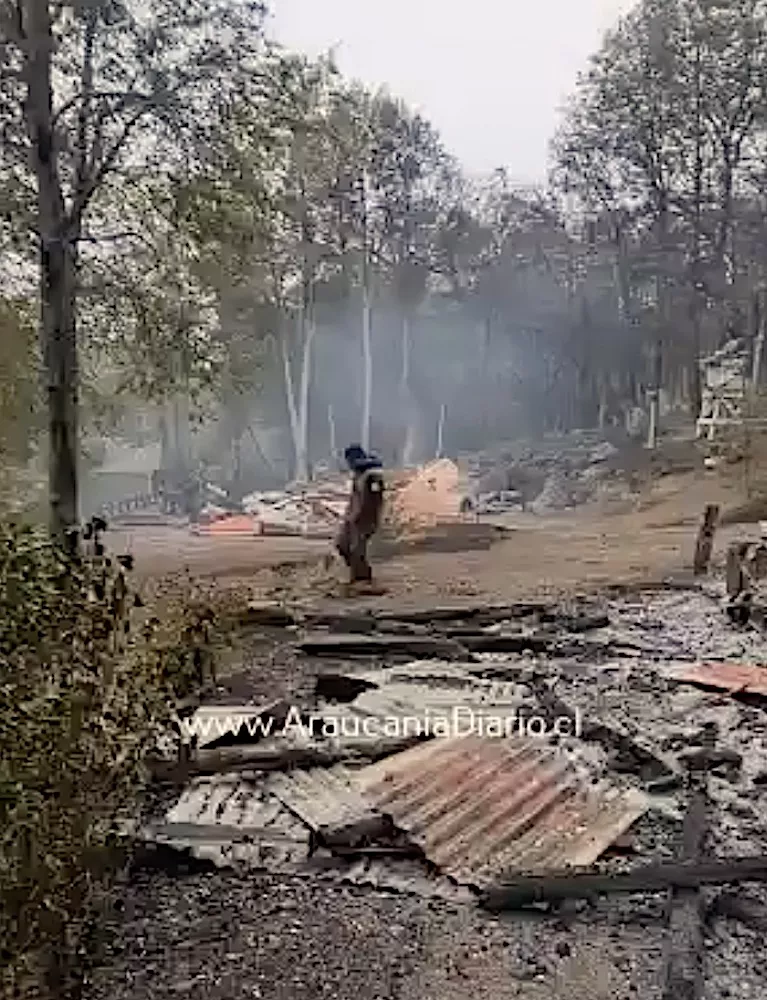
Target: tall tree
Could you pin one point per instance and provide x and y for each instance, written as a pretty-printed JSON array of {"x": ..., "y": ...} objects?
[{"x": 84, "y": 90}]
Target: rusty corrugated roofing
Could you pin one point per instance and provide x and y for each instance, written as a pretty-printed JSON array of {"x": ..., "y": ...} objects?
[
  {"x": 480, "y": 807},
  {"x": 736, "y": 678}
]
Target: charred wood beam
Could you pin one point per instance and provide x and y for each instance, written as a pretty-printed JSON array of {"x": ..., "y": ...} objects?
[
  {"x": 555, "y": 887},
  {"x": 418, "y": 646},
  {"x": 683, "y": 978},
  {"x": 488, "y": 613}
]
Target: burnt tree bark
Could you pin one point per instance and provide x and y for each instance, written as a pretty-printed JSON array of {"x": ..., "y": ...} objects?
[{"x": 59, "y": 233}]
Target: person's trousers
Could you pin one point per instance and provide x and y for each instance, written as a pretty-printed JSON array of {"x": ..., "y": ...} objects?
[{"x": 352, "y": 546}]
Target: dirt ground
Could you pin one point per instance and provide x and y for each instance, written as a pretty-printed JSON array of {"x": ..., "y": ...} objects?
[
  {"x": 584, "y": 550},
  {"x": 649, "y": 539}
]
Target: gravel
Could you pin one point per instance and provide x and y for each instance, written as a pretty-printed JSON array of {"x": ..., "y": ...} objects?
[{"x": 220, "y": 936}]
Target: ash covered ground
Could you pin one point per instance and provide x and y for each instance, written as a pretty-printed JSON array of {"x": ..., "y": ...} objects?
[{"x": 221, "y": 934}]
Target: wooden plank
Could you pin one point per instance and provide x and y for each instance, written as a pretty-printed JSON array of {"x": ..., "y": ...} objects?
[{"x": 418, "y": 646}]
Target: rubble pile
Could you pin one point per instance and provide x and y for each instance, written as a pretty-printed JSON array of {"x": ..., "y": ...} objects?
[
  {"x": 655, "y": 785},
  {"x": 419, "y": 501},
  {"x": 559, "y": 473},
  {"x": 553, "y": 474},
  {"x": 312, "y": 510},
  {"x": 334, "y": 789}
]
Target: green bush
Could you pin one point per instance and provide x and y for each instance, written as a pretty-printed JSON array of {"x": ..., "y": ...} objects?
[{"x": 88, "y": 681}]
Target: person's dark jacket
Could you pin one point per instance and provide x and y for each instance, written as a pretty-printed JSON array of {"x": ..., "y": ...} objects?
[{"x": 365, "y": 506}]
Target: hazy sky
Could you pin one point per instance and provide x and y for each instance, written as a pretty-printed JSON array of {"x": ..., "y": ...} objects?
[{"x": 490, "y": 74}]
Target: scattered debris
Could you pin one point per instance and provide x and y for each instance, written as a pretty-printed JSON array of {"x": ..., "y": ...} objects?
[
  {"x": 735, "y": 678},
  {"x": 311, "y": 510},
  {"x": 514, "y": 817}
]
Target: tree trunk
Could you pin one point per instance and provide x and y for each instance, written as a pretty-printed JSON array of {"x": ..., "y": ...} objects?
[
  {"x": 756, "y": 371},
  {"x": 332, "y": 436},
  {"x": 652, "y": 431},
  {"x": 302, "y": 463},
  {"x": 695, "y": 384},
  {"x": 409, "y": 409},
  {"x": 60, "y": 338},
  {"x": 58, "y": 277},
  {"x": 367, "y": 363},
  {"x": 290, "y": 399},
  {"x": 441, "y": 430}
]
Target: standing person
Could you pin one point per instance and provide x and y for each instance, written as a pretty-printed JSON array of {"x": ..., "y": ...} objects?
[{"x": 363, "y": 514}]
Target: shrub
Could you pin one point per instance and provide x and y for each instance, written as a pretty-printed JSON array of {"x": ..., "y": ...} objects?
[{"x": 88, "y": 681}]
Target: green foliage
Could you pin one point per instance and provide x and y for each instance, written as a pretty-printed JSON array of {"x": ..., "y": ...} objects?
[
  {"x": 86, "y": 687},
  {"x": 20, "y": 408}
]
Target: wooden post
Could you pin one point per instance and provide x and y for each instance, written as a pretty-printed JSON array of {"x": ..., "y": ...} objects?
[
  {"x": 735, "y": 576},
  {"x": 705, "y": 542}
]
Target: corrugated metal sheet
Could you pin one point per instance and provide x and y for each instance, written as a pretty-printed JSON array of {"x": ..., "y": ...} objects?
[
  {"x": 274, "y": 835},
  {"x": 735, "y": 678},
  {"x": 480, "y": 807},
  {"x": 320, "y": 797},
  {"x": 424, "y": 692},
  {"x": 228, "y": 820}
]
